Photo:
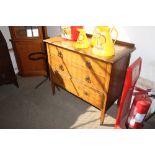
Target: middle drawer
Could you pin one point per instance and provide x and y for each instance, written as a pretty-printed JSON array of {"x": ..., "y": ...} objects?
[{"x": 89, "y": 79}]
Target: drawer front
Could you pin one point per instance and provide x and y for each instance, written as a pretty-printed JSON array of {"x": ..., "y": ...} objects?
[
  {"x": 87, "y": 78},
  {"x": 89, "y": 95},
  {"x": 86, "y": 63}
]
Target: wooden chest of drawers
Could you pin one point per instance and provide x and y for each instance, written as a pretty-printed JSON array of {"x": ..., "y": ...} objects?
[{"x": 94, "y": 79}]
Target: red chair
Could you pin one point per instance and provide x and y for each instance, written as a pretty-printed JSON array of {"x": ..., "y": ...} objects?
[{"x": 132, "y": 76}]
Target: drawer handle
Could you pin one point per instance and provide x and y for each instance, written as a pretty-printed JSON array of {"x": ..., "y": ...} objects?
[
  {"x": 60, "y": 54},
  {"x": 88, "y": 79},
  {"x": 61, "y": 67},
  {"x": 88, "y": 64},
  {"x": 86, "y": 93}
]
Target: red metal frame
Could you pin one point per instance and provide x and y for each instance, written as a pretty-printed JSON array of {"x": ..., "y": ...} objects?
[{"x": 132, "y": 76}]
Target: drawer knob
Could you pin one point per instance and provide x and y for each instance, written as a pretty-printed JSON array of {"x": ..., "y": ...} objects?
[
  {"x": 86, "y": 93},
  {"x": 88, "y": 64},
  {"x": 88, "y": 79},
  {"x": 60, "y": 54},
  {"x": 61, "y": 67}
]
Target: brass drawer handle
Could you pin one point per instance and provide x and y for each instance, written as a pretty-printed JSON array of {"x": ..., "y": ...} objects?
[
  {"x": 60, "y": 53},
  {"x": 87, "y": 78},
  {"x": 88, "y": 64},
  {"x": 61, "y": 67}
]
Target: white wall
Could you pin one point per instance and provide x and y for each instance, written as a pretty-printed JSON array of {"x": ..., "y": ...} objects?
[
  {"x": 144, "y": 40},
  {"x": 53, "y": 31}
]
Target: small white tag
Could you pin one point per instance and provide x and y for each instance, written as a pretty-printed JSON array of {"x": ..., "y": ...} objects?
[
  {"x": 35, "y": 32},
  {"x": 139, "y": 117},
  {"x": 29, "y": 33}
]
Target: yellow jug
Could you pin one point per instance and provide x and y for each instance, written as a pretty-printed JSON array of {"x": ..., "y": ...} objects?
[
  {"x": 82, "y": 41},
  {"x": 107, "y": 49},
  {"x": 97, "y": 39}
]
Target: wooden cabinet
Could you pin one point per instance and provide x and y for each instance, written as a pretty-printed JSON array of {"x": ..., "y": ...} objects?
[
  {"x": 7, "y": 74},
  {"x": 94, "y": 79},
  {"x": 26, "y": 40}
]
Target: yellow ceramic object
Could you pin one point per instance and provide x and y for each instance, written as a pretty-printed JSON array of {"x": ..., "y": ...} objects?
[
  {"x": 97, "y": 38},
  {"x": 106, "y": 49},
  {"x": 82, "y": 41}
]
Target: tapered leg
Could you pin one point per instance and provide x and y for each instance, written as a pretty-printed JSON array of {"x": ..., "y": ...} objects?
[
  {"x": 102, "y": 117},
  {"x": 103, "y": 108}
]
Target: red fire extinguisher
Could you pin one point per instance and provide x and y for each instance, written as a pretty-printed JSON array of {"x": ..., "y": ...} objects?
[{"x": 139, "y": 109}]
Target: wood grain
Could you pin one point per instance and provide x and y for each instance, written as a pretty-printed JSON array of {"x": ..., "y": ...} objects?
[
  {"x": 121, "y": 48},
  {"x": 90, "y": 95},
  {"x": 83, "y": 76},
  {"x": 23, "y": 46},
  {"x": 91, "y": 78},
  {"x": 81, "y": 61}
]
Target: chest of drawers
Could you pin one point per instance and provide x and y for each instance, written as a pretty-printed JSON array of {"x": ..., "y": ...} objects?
[{"x": 94, "y": 79}]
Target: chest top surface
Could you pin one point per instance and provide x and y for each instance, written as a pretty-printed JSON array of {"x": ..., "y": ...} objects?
[{"x": 121, "y": 48}]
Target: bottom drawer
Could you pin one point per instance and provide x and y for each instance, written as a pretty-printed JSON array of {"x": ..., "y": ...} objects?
[{"x": 91, "y": 96}]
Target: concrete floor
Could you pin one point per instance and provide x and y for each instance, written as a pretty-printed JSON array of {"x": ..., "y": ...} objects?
[{"x": 30, "y": 108}]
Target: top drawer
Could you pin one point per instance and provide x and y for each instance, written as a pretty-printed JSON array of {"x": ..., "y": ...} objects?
[{"x": 82, "y": 61}]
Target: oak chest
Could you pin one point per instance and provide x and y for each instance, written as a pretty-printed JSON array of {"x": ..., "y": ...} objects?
[{"x": 96, "y": 80}]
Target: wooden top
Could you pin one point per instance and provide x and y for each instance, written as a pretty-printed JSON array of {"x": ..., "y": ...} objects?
[{"x": 121, "y": 48}]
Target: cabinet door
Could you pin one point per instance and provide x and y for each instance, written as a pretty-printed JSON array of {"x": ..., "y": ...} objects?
[
  {"x": 27, "y": 40},
  {"x": 29, "y": 67}
]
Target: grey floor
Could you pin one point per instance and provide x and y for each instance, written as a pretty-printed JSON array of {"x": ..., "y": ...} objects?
[{"x": 29, "y": 108}]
